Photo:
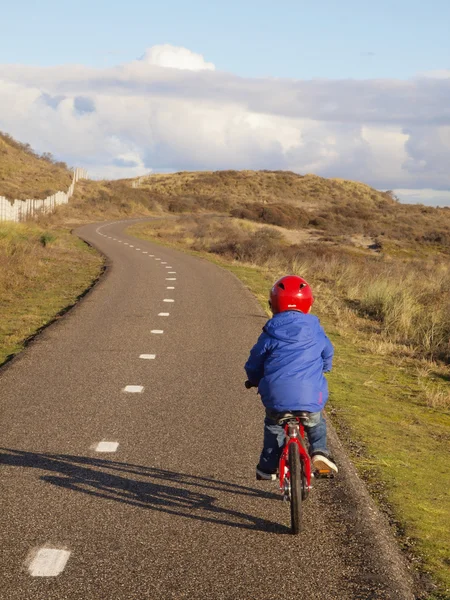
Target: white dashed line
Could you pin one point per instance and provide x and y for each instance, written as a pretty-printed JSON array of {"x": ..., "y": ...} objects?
[
  {"x": 133, "y": 389},
  {"x": 137, "y": 248},
  {"x": 151, "y": 255},
  {"x": 147, "y": 356},
  {"x": 48, "y": 562},
  {"x": 131, "y": 246},
  {"x": 171, "y": 272},
  {"x": 157, "y": 259},
  {"x": 107, "y": 447},
  {"x": 120, "y": 241},
  {"x": 126, "y": 243},
  {"x": 156, "y": 331},
  {"x": 163, "y": 263},
  {"x": 168, "y": 267},
  {"x": 170, "y": 287},
  {"x": 163, "y": 314},
  {"x": 171, "y": 278},
  {"x": 144, "y": 252},
  {"x": 168, "y": 300}
]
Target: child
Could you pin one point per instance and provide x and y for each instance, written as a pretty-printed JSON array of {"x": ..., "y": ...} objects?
[{"x": 287, "y": 364}]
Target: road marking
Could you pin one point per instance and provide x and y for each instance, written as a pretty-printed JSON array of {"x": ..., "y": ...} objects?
[
  {"x": 131, "y": 246},
  {"x": 133, "y": 389},
  {"x": 163, "y": 314},
  {"x": 48, "y": 562},
  {"x": 170, "y": 287},
  {"x": 137, "y": 248},
  {"x": 168, "y": 300},
  {"x": 171, "y": 272},
  {"x": 169, "y": 267},
  {"x": 126, "y": 243},
  {"x": 120, "y": 241},
  {"x": 156, "y": 331},
  {"x": 163, "y": 263},
  {"x": 144, "y": 252},
  {"x": 151, "y": 255},
  {"x": 157, "y": 259},
  {"x": 147, "y": 356},
  {"x": 171, "y": 278},
  {"x": 107, "y": 447}
]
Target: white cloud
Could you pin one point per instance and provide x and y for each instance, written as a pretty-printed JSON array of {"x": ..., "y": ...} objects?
[
  {"x": 176, "y": 58},
  {"x": 171, "y": 110}
]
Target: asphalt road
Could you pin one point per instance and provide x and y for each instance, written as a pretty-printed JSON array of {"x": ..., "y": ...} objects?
[{"x": 175, "y": 512}]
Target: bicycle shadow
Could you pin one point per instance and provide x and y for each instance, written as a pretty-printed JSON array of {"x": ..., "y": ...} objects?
[{"x": 190, "y": 496}]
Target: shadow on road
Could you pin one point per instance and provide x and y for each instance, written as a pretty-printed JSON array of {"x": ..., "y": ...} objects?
[{"x": 189, "y": 496}]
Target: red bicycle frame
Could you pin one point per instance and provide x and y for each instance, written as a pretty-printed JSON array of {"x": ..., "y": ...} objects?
[{"x": 304, "y": 456}]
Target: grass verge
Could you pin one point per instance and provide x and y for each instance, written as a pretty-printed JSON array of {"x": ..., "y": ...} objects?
[
  {"x": 44, "y": 271},
  {"x": 397, "y": 440}
]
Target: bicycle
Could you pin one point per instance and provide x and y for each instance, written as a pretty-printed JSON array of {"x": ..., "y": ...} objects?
[{"x": 295, "y": 463}]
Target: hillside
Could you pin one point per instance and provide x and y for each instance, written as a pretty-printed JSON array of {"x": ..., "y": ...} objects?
[
  {"x": 24, "y": 174},
  {"x": 332, "y": 209}
]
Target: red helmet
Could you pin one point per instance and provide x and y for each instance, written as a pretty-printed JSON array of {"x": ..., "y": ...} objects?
[{"x": 291, "y": 293}]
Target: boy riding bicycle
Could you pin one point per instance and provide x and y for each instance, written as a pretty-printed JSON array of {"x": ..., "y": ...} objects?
[{"x": 287, "y": 364}]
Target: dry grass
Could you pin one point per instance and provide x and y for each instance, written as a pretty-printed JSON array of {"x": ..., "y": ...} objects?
[
  {"x": 435, "y": 396},
  {"x": 24, "y": 174}
]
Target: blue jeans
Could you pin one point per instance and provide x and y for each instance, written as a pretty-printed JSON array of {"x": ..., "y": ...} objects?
[{"x": 274, "y": 437}]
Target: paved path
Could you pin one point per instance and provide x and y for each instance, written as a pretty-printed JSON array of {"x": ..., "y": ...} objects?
[{"x": 173, "y": 511}]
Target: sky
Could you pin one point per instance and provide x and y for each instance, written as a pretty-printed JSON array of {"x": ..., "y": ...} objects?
[{"x": 342, "y": 89}]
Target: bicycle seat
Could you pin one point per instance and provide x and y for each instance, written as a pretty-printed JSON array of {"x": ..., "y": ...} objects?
[{"x": 283, "y": 417}]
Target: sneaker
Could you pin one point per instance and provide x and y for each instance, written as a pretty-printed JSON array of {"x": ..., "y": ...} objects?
[
  {"x": 261, "y": 474},
  {"x": 324, "y": 464}
]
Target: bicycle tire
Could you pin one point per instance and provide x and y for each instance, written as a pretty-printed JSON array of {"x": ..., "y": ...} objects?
[{"x": 296, "y": 477}]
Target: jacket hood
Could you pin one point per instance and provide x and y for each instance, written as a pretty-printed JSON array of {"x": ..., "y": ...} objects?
[{"x": 291, "y": 326}]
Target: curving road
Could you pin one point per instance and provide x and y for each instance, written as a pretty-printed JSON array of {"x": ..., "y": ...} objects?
[{"x": 150, "y": 493}]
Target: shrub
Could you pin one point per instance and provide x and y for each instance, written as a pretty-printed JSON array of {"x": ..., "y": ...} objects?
[
  {"x": 319, "y": 222},
  {"x": 47, "y": 238},
  {"x": 283, "y": 215}
]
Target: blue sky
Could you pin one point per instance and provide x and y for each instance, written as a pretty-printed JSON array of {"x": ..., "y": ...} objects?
[{"x": 295, "y": 39}]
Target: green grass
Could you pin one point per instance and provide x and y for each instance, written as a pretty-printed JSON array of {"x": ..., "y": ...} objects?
[{"x": 397, "y": 442}]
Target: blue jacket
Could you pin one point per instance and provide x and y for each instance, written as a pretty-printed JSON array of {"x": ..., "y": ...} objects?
[{"x": 288, "y": 361}]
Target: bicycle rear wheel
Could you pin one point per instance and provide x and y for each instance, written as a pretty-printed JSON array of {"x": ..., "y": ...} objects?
[{"x": 296, "y": 477}]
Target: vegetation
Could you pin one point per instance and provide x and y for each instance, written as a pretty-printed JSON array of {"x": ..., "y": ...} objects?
[
  {"x": 24, "y": 174},
  {"x": 336, "y": 210}
]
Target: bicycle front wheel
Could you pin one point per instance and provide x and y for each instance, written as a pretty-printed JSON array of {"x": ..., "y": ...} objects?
[{"x": 296, "y": 477}]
